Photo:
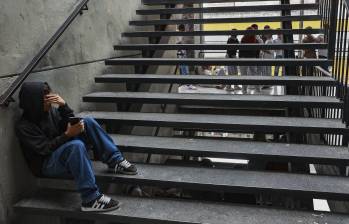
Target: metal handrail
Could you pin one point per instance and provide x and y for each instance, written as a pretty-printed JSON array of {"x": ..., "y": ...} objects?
[
  {"x": 72, "y": 65},
  {"x": 6, "y": 98}
]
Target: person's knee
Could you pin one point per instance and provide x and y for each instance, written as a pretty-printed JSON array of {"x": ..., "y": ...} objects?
[
  {"x": 89, "y": 120},
  {"x": 77, "y": 146},
  {"x": 73, "y": 149}
]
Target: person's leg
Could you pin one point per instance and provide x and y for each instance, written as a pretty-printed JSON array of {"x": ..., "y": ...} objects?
[
  {"x": 253, "y": 70},
  {"x": 277, "y": 67},
  {"x": 244, "y": 72},
  {"x": 72, "y": 159},
  {"x": 105, "y": 148},
  {"x": 102, "y": 144}
]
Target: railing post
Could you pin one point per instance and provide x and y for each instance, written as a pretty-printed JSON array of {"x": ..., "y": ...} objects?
[{"x": 332, "y": 30}]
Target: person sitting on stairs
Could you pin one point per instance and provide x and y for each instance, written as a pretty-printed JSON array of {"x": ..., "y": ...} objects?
[{"x": 53, "y": 147}]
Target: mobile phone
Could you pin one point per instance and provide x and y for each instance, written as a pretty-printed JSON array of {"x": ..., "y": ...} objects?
[{"x": 74, "y": 120}]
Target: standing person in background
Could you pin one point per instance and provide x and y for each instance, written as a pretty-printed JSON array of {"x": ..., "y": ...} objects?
[
  {"x": 308, "y": 53},
  {"x": 189, "y": 27},
  {"x": 232, "y": 70},
  {"x": 267, "y": 54},
  {"x": 252, "y": 69},
  {"x": 279, "y": 54},
  {"x": 259, "y": 69},
  {"x": 323, "y": 53},
  {"x": 265, "y": 36},
  {"x": 183, "y": 69}
]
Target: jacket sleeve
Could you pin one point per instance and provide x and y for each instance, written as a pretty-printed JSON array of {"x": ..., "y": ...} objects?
[
  {"x": 65, "y": 112},
  {"x": 32, "y": 137}
]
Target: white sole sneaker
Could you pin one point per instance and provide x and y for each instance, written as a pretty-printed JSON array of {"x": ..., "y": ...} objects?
[{"x": 86, "y": 209}]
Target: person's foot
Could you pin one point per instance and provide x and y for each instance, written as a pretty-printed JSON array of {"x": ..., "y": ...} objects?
[
  {"x": 258, "y": 89},
  {"x": 220, "y": 86},
  {"x": 236, "y": 87},
  {"x": 228, "y": 88},
  {"x": 244, "y": 90},
  {"x": 124, "y": 167},
  {"x": 101, "y": 204},
  {"x": 266, "y": 87},
  {"x": 191, "y": 87}
]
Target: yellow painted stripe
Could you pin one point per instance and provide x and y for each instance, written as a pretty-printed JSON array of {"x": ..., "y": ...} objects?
[{"x": 243, "y": 26}]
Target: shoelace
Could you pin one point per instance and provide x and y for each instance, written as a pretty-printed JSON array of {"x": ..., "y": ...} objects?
[
  {"x": 102, "y": 202},
  {"x": 122, "y": 165},
  {"x": 104, "y": 199},
  {"x": 125, "y": 164}
]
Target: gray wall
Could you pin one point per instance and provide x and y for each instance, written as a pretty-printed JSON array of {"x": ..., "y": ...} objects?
[{"x": 27, "y": 25}]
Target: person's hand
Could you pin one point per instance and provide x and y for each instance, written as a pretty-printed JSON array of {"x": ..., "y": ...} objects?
[
  {"x": 75, "y": 130},
  {"x": 55, "y": 99}
]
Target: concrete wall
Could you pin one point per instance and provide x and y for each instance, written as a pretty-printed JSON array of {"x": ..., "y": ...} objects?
[{"x": 25, "y": 26}]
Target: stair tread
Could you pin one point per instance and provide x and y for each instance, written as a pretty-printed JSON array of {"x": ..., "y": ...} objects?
[
  {"x": 215, "y": 61},
  {"x": 221, "y": 148},
  {"x": 161, "y": 2},
  {"x": 224, "y": 20},
  {"x": 214, "y": 99},
  {"x": 158, "y": 211},
  {"x": 253, "y": 8},
  {"x": 218, "y": 46},
  {"x": 222, "y": 122},
  {"x": 232, "y": 180},
  {"x": 204, "y": 79},
  {"x": 218, "y": 32}
]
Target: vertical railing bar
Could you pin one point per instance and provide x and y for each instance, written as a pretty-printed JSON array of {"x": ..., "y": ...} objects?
[
  {"x": 338, "y": 48},
  {"x": 341, "y": 57},
  {"x": 321, "y": 12},
  {"x": 344, "y": 63}
]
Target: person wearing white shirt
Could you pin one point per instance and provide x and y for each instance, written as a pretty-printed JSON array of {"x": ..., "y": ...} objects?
[
  {"x": 279, "y": 54},
  {"x": 268, "y": 54}
]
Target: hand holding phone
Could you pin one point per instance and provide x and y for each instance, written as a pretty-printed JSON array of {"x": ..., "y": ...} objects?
[
  {"x": 75, "y": 127},
  {"x": 74, "y": 120}
]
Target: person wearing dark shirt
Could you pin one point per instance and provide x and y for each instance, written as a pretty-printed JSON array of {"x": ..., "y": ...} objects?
[
  {"x": 308, "y": 53},
  {"x": 252, "y": 69},
  {"x": 232, "y": 53},
  {"x": 55, "y": 147}
]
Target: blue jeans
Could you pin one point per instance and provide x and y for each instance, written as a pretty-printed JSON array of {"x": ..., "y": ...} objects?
[
  {"x": 71, "y": 159},
  {"x": 184, "y": 69}
]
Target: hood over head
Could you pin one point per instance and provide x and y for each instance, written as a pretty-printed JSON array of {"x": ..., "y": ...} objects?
[{"x": 31, "y": 100}]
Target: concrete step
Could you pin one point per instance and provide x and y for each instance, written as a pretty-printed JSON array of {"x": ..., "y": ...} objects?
[
  {"x": 225, "y": 100},
  {"x": 214, "y": 61},
  {"x": 222, "y": 122},
  {"x": 225, "y": 9},
  {"x": 220, "y": 32},
  {"x": 225, "y": 20},
  {"x": 159, "y": 211},
  {"x": 226, "y": 80},
  {"x": 232, "y": 181},
  {"x": 151, "y": 47},
  {"x": 228, "y": 149}
]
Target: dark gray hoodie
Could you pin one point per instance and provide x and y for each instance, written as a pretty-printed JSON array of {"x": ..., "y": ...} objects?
[{"x": 40, "y": 133}]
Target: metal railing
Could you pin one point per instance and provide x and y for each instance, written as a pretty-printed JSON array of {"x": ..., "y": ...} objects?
[
  {"x": 335, "y": 16},
  {"x": 6, "y": 97}
]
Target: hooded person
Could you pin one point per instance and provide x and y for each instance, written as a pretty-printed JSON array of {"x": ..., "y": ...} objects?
[{"x": 53, "y": 147}]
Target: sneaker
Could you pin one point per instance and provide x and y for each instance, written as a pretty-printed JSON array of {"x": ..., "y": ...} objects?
[
  {"x": 266, "y": 87},
  {"x": 101, "y": 204},
  {"x": 191, "y": 87},
  {"x": 236, "y": 87},
  {"x": 229, "y": 88},
  {"x": 124, "y": 167}
]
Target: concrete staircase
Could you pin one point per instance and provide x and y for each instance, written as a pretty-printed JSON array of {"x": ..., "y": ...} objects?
[{"x": 217, "y": 193}]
